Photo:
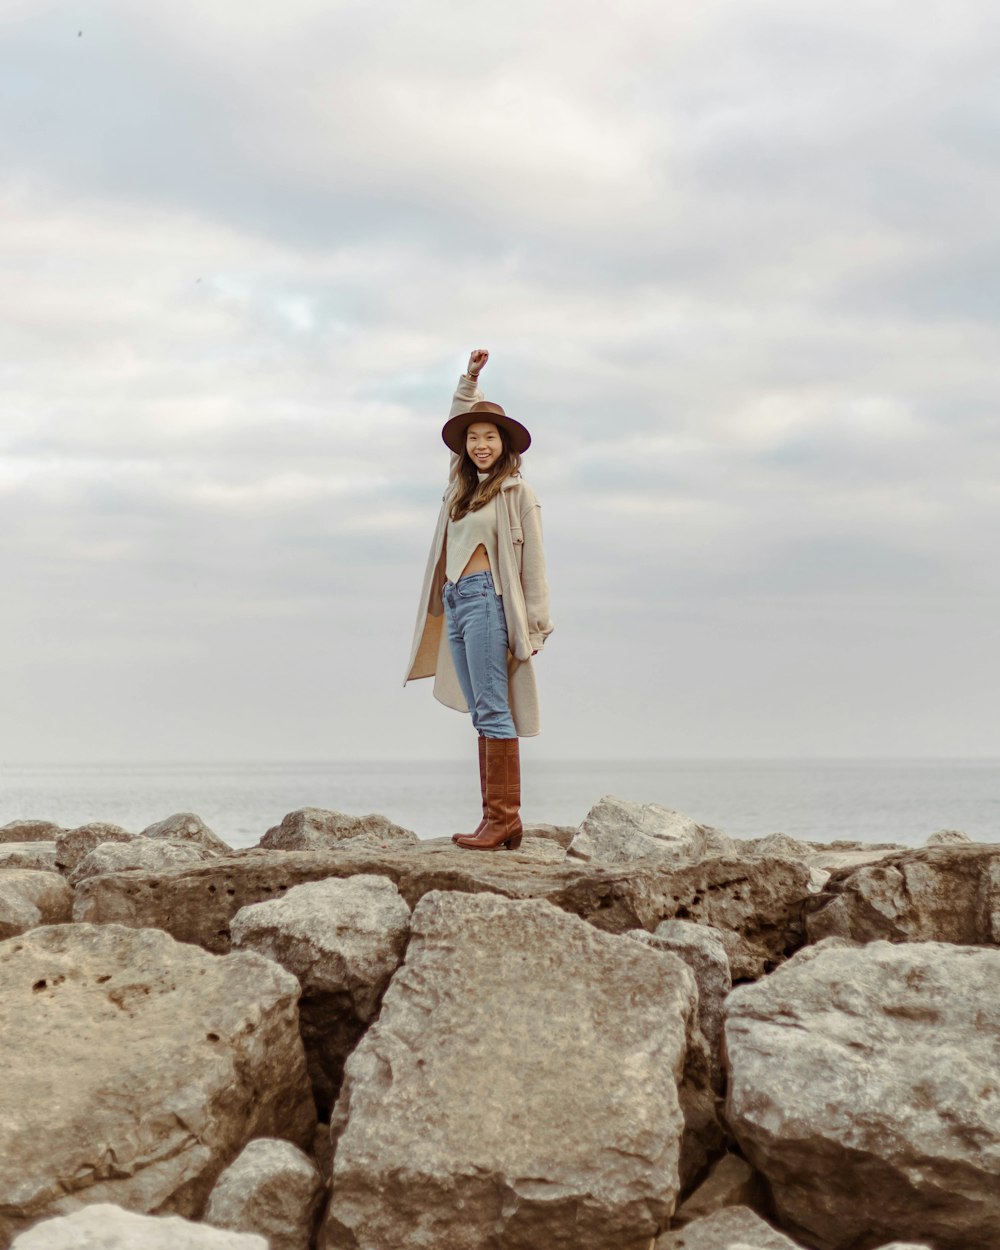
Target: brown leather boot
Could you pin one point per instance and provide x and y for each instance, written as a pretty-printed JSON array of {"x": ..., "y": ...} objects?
[
  {"x": 482, "y": 789},
  {"x": 503, "y": 798}
]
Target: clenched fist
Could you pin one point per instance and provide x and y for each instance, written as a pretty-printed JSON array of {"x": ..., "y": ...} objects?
[{"x": 477, "y": 362}]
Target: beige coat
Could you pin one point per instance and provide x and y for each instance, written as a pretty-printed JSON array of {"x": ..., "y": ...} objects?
[{"x": 524, "y": 593}]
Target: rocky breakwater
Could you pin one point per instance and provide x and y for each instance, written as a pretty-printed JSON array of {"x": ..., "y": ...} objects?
[{"x": 537, "y": 1049}]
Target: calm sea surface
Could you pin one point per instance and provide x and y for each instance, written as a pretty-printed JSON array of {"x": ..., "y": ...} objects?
[{"x": 874, "y": 800}]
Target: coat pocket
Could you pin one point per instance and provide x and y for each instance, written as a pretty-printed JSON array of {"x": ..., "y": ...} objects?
[{"x": 517, "y": 540}]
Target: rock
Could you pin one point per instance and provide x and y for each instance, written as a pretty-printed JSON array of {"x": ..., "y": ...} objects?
[
  {"x": 734, "y": 1228},
  {"x": 562, "y": 834},
  {"x": 520, "y": 1081},
  {"x": 273, "y": 1189},
  {"x": 820, "y": 856},
  {"x": 780, "y": 846},
  {"x": 905, "y": 1245},
  {"x": 343, "y": 940},
  {"x": 314, "y": 829},
  {"x": 73, "y": 845},
  {"x": 702, "y": 948},
  {"x": 105, "y": 1226},
  {"x": 933, "y": 894},
  {"x": 30, "y": 856},
  {"x": 756, "y": 903},
  {"x": 188, "y": 827},
  {"x": 137, "y": 855},
  {"x": 948, "y": 837},
  {"x": 31, "y": 898},
  {"x": 29, "y": 831},
  {"x": 865, "y": 1086},
  {"x": 136, "y": 1068},
  {"x": 616, "y": 831},
  {"x": 732, "y": 1182}
]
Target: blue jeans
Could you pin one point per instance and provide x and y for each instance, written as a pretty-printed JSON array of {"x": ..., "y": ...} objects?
[{"x": 477, "y": 635}]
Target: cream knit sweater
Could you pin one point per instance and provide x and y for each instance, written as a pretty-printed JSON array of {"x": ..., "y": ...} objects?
[{"x": 475, "y": 529}]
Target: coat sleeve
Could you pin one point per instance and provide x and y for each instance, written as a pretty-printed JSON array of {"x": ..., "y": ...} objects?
[
  {"x": 466, "y": 394},
  {"x": 534, "y": 583}
]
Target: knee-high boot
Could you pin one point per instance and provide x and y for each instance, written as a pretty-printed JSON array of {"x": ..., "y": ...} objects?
[
  {"x": 482, "y": 790},
  {"x": 503, "y": 798}
]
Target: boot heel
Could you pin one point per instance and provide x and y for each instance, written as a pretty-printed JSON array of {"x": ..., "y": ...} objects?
[{"x": 513, "y": 842}]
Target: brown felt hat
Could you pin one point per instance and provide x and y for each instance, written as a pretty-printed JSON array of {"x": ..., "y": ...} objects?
[{"x": 454, "y": 429}]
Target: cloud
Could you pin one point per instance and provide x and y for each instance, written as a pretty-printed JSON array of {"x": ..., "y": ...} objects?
[{"x": 733, "y": 263}]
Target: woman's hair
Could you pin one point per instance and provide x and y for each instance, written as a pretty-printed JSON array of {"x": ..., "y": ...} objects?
[{"x": 470, "y": 494}]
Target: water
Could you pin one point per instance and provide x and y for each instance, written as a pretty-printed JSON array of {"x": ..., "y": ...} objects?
[{"x": 819, "y": 800}]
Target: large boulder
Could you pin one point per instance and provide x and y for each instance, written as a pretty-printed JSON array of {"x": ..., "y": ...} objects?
[
  {"x": 30, "y": 856},
  {"x": 29, "y": 831},
  {"x": 188, "y": 827},
  {"x": 945, "y": 893},
  {"x": 31, "y": 898},
  {"x": 138, "y": 855},
  {"x": 865, "y": 1086},
  {"x": 343, "y": 940},
  {"x": 271, "y": 1188},
  {"x": 733, "y": 1228},
  {"x": 136, "y": 1068},
  {"x": 105, "y": 1226},
  {"x": 72, "y": 845},
  {"x": 315, "y": 829},
  {"x": 519, "y": 1087},
  {"x": 617, "y": 831},
  {"x": 756, "y": 903}
]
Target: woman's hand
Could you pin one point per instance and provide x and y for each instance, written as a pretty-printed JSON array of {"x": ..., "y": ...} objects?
[{"x": 477, "y": 362}]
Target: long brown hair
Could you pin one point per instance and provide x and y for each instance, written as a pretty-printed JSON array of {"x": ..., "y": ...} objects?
[{"x": 470, "y": 494}]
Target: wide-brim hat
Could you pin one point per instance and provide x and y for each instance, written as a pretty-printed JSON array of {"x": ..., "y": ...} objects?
[{"x": 454, "y": 429}]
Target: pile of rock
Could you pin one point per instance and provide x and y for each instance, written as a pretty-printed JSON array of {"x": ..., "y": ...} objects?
[{"x": 640, "y": 1033}]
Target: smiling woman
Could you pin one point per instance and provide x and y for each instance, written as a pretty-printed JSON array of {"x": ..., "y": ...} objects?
[{"x": 484, "y": 608}]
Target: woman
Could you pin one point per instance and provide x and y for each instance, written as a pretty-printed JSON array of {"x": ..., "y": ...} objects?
[{"x": 484, "y": 608}]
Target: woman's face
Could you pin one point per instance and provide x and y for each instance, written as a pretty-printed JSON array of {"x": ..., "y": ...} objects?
[{"x": 483, "y": 445}]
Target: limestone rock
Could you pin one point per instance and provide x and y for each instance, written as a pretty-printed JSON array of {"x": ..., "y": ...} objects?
[
  {"x": 732, "y": 1182},
  {"x": 136, "y": 1068},
  {"x": 137, "y": 855},
  {"x": 781, "y": 846},
  {"x": 561, "y": 834},
  {"x": 617, "y": 831},
  {"x": 733, "y": 1228},
  {"x": 315, "y": 829},
  {"x": 865, "y": 1086},
  {"x": 933, "y": 894},
  {"x": 273, "y": 1189},
  {"x": 948, "y": 837},
  {"x": 343, "y": 940},
  {"x": 755, "y": 903},
  {"x": 703, "y": 949},
  {"x": 514, "y": 1086},
  {"x": 72, "y": 845},
  {"x": 31, "y": 856},
  {"x": 188, "y": 827},
  {"x": 105, "y": 1226},
  {"x": 29, "y": 831},
  {"x": 31, "y": 898}
]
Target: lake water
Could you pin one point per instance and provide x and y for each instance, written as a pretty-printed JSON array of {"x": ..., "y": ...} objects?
[{"x": 820, "y": 800}]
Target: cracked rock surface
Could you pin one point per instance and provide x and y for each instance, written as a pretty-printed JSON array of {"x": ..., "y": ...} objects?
[
  {"x": 518, "y": 1087},
  {"x": 865, "y": 1086},
  {"x": 136, "y": 1068}
]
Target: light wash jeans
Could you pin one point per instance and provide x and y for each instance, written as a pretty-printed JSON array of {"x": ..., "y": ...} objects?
[{"x": 477, "y": 635}]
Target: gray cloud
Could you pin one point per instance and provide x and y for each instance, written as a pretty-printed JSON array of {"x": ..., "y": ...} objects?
[{"x": 734, "y": 264}]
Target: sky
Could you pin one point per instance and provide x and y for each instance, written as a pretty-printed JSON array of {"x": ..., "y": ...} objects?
[{"x": 736, "y": 263}]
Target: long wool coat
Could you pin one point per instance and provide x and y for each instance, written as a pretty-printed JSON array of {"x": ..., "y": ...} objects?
[{"x": 524, "y": 593}]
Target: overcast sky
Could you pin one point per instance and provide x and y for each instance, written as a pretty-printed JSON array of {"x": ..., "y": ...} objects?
[{"x": 737, "y": 267}]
